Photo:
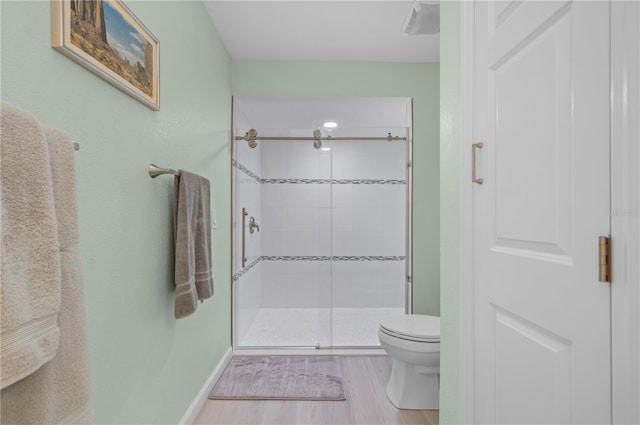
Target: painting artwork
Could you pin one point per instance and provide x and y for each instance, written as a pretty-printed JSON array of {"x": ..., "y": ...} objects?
[{"x": 106, "y": 38}]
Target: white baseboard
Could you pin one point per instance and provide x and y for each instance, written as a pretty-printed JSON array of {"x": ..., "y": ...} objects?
[{"x": 197, "y": 403}]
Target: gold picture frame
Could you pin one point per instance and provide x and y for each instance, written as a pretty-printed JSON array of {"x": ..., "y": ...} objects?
[{"x": 106, "y": 38}]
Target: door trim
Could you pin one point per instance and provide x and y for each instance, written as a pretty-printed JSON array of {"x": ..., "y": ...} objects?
[
  {"x": 625, "y": 220},
  {"x": 466, "y": 290},
  {"x": 625, "y": 302}
]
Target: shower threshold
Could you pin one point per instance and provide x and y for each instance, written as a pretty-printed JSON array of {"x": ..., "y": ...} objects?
[
  {"x": 299, "y": 351},
  {"x": 316, "y": 329}
]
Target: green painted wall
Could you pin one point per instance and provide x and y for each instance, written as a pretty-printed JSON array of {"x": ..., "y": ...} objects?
[
  {"x": 419, "y": 81},
  {"x": 449, "y": 209},
  {"x": 146, "y": 366}
]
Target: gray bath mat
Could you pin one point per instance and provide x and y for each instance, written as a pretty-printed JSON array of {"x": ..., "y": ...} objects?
[{"x": 280, "y": 378}]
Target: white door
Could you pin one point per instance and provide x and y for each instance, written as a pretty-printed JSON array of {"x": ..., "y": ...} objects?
[{"x": 541, "y": 109}]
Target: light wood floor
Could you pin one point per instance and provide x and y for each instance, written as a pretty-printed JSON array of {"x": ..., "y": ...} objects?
[{"x": 365, "y": 378}]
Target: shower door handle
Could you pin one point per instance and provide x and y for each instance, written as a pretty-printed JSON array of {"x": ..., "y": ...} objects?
[{"x": 244, "y": 226}]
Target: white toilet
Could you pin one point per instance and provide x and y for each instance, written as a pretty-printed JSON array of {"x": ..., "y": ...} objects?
[{"x": 413, "y": 343}]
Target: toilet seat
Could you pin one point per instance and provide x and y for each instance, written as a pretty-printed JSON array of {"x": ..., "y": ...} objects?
[{"x": 413, "y": 327}]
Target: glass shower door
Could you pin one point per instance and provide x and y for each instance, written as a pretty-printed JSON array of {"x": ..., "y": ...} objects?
[
  {"x": 282, "y": 295},
  {"x": 325, "y": 261},
  {"x": 369, "y": 236},
  {"x": 246, "y": 244}
]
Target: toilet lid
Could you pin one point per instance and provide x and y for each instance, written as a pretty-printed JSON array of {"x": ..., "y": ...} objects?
[{"x": 417, "y": 327}]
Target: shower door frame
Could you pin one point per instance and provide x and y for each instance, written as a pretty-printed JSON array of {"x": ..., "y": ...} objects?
[{"x": 408, "y": 242}]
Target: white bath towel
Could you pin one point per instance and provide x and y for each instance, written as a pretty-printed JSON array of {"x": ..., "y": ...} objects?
[
  {"x": 30, "y": 275},
  {"x": 60, "y": 391},
  {"x": 192, "y": 219}
]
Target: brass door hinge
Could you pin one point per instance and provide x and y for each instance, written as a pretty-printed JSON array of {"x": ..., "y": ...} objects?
[{"x": 604, "y": 243}]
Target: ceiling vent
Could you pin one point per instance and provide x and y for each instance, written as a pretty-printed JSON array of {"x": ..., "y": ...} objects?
[{"x": 423, "y": 18}]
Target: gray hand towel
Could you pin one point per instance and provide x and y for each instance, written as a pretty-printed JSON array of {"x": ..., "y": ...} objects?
[{"x": 192, "y": 220}]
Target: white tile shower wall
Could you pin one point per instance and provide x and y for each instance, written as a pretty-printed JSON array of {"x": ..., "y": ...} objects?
[
  {"x": 295, "y": 159},
  {"x": 296, "y": 284},
  {"x": 339, "y": 219},
  {"x": 275, "y": 157},
  {"x": 366, "y": 159},
  {"x": 248, "y": 288},
  {"x": 369, "y": 219},
  {"x": 297, "y": 217},
  {"x": 366, "y": 284}
]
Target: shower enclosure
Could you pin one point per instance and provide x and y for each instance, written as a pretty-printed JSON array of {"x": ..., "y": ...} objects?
[{"x": 321, "y": 252}]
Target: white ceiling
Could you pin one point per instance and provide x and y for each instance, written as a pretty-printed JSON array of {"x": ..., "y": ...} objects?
[{"x": 312, "y": 30}]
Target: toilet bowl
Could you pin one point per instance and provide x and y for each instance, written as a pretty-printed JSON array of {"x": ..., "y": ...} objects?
[{"x": 413, "y": 343}]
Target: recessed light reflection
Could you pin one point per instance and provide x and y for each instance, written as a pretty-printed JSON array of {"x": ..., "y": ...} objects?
[{"x": 330, "y": 124}]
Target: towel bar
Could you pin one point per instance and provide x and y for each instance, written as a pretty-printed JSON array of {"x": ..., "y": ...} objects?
[{"x": 155, "y": 171}]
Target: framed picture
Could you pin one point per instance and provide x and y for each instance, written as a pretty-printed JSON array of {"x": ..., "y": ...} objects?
[{"x": 107, "y": 39}]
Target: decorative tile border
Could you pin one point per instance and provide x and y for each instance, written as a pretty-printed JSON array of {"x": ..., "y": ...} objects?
[
  {"x": 296, "y": 181},
  {"x": 296, "y": 257},
  {"x": 331, "y": 181},
  {"x": 245, "y": 170},
  {"x": 255, "y": 177},
  {"x": 246, "y": 268},
  {"x": 369, "y": 258},
  {"x": 332, "y": 258},
  {"x": 252, "y": 264},
  {"x": 368, "y": 181}
]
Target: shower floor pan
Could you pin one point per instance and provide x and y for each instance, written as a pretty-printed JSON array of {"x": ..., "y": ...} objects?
[{"x": 310, "y": 327}]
